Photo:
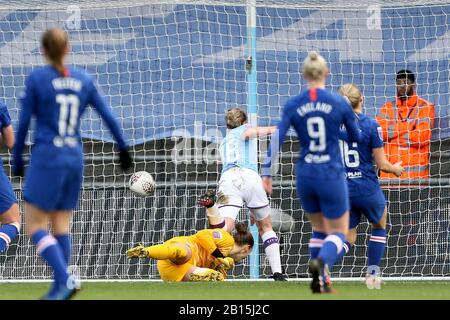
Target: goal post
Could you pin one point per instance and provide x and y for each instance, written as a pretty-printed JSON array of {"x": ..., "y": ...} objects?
[
  {"x": 250, "y": 65},
  {"x": 170, "y": 70}
]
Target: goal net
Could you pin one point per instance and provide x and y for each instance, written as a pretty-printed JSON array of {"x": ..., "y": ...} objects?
[{"x": 170, "y": 70}]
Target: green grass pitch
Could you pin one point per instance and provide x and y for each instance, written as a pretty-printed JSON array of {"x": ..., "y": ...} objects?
[{"x": 261, "y": 290}]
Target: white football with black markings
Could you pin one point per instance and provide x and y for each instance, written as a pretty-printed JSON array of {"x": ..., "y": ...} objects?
[{"x": 142, "y": 183}]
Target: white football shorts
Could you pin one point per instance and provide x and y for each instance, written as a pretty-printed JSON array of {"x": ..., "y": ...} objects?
[{"x": 243, "y": 185}]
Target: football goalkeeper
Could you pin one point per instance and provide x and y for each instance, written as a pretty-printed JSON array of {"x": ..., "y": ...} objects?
[{"x": 204, "y": 256}]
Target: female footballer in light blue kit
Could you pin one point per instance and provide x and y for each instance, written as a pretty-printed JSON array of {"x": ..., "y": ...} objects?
[
  {"x": 240, "y": 183},
  {"x": 57, "y": 96}
]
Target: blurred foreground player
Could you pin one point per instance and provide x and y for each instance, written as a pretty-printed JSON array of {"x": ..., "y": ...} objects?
[
  {"x": 57, "y": 96},
  {"x": 204, "y": 256},
  {"x": 9, "y": 210},
  {"x": 316, "y": 115},
  {"x": 366, "y": 197}
]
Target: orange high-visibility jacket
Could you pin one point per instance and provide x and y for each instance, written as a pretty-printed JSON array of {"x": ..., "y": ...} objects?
[{"x": 406, "y": 127}]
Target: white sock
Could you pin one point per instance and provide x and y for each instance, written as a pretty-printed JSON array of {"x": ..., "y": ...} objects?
[{"x": 272, "y": 250}]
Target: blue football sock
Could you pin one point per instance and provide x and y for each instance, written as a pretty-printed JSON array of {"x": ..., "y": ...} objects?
[
  {"x": 331, "y": 248},
  {"x": 66, "y": 246},
  {"x": 375, "y": 250},
  {"x": 8, "y": 232},
  {"x": 48, "y": 248},
  {"x": 345, "y": 249},
  {"x": 315, "y": 243}
]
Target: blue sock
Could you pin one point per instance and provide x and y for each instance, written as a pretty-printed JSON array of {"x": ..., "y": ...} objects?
[
  {"x": 8, "y": 232},
  {"x": 48, "y": 248},
  {"x": 65, "y": 243},
  {"x": 346, "y": 247},
  {"x": 331, "y": 247},
  {"x": 375, "y": 250},
  {"x": 66, "y": 246},
  {"x": 315, "y": 243}
]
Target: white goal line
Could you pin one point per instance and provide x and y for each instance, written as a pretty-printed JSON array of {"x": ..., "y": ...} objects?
[{"x": 385, "y": 279}]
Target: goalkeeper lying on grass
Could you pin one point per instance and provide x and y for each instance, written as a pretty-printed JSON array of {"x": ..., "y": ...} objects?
[{"x": 204, "y": 256}]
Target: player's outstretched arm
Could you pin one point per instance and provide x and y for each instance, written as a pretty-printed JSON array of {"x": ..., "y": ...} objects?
[
  {"x": 258, "y": 132},
  {"x": 28, "y": 100},
  {"x": 383, "y": 163},
  {"x": 99, "y": 104}
]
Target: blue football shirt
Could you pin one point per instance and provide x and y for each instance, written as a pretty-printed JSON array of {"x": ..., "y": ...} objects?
[
  {"x": 358, "y": 158},
  {"x": 238, "y": 152},
  {"x": 316, "y": 115},
  {"x": 58, "y": 101}
]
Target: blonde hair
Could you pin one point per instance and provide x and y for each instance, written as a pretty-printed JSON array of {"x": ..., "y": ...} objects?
[
  {"x": 235, "y": 117},
  {"x": 352, "y": 93},
  {"x": 314, "y": 66}
]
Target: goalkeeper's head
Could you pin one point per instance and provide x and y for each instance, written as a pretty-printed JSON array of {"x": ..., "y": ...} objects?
[
  {"x": 235, "y": 117},
  {"x": 243, "y": 242}
]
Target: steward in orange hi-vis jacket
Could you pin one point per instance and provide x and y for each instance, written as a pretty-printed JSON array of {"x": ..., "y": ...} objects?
[{"x": 406, "y": 124}]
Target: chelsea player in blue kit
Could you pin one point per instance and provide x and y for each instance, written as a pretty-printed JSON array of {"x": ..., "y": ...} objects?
[
  {"x": 366, "y": 197},
  {"x": 316, "y": 115},
  {"x": 9, "y": 210},
  {"x": 57, "y": 97}
]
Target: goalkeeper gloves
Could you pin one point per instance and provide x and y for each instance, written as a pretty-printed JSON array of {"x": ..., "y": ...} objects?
[
  {"x": 209, "y": 199},
  {"x": 125, "y": 160},
  {"x": 137, "y": 252},
  {"x": 226, "y": 263}
]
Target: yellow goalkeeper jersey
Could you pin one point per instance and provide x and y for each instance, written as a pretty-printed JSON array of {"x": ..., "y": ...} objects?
[{"x": 204, "y": 243}]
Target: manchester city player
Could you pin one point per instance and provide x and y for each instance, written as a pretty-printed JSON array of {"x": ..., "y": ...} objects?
[
  {"x": 240, "y": 183},
  {"x": 316, "y": 115},
  {"x": 366, "y": 197},
  {"x": 57, "y": 96}
]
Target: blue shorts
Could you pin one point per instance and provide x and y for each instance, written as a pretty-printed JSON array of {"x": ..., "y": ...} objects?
[
  {"x": 327, "y": 196},
  {"x": 53, "y": 188},
  {"x": 7, "y": 196},
  {"x": 372, "y": 207}
]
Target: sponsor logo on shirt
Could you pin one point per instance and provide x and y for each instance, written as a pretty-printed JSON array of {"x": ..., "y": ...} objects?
[
  {"x": 313, "y": 158},
  {"x": 354, "y": 175}
]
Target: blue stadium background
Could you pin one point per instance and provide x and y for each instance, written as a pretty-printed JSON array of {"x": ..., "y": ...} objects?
[{"x": 181, "y": 67}]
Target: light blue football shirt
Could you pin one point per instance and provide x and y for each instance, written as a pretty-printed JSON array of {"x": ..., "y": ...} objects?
[{"x": 238, "y": 152}]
